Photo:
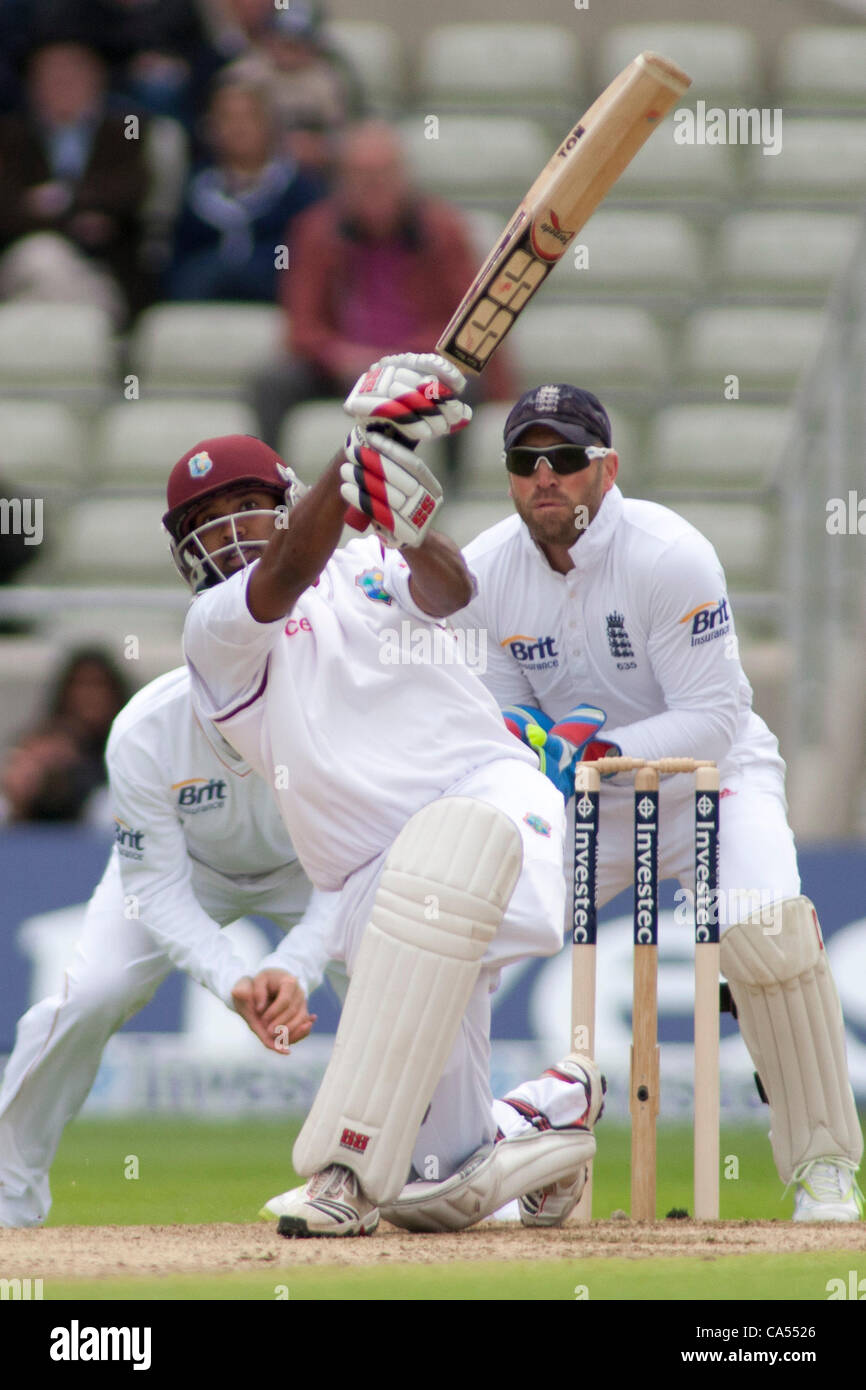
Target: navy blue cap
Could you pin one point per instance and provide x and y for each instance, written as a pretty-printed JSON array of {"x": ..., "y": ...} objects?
[{"x": 577, "y": 415}]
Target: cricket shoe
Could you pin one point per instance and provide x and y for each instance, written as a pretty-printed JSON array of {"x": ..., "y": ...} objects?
[
  {"x": 827, "y": 1190},
  {"x": 551, "y": 1205},
  {"x": 330, "y": 1204}
]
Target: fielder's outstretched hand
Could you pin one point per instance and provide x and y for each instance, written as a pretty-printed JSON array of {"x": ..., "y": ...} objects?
[
  {"x": 415, "y": 394},
  {"x": 390, "y": 486},
  {"x": 275, "y": 1007}
]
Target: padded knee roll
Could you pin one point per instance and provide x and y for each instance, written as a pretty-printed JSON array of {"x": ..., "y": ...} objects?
[{"x": 442, "y": 895}]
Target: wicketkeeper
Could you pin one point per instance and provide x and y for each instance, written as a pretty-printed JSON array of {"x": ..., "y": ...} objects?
[{"x": 633, "y": 650}]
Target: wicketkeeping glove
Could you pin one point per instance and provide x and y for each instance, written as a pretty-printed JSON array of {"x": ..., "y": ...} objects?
[
  {"x": 555, "y": 757},
  {"x": 390, "y": 486},
  {"x": 415, "y": 393},
  {"x": 580, "y": 728},
  {"x": 560, "y": 745}
]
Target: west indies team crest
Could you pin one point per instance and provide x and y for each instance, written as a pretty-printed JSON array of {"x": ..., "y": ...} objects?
[
  {"x": 200, "y": 464},
  {"x": 372, "y": 582}
]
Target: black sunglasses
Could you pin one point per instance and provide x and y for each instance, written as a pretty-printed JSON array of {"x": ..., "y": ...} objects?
[{"x": 562, "y": 458}]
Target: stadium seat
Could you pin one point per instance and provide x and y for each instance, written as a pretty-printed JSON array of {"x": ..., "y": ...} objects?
[
  {"x": 503, "y": 67},
  {"x": 821, "y": 160},
  {"x": 47, "y": 347},
  {"x": 767, "y": 348},
  {"x": 789, "y": 253},
  {"x": 646, "y": 253},
  {"x": 463, "y": 521},
  {"x": 42, "y": 444},
  {"x": 157, "y": 632},
  {"x": 820, "y": 66},
  {"x": 27, "y": 668},
  {"x": 742, "y": 534},
  {"x": 137, "y": 443},
  {"x": 375, "y": 53},
  {"x": 485, "y": 229},
  {"x": 190, "y": 348},
  {"x": 310, "y": 436},
  {"x": 312, "y": 433},
  {"x": 664, "y": 171},
  {"x": 475, "y": 158},
  {"x": 735, "y": 445},
  {"x": 600, "y": 348},
  {"x": 721, "y": 59},
  {"x": 111, "y": 541},
  {"x": 481, "y": 466}
]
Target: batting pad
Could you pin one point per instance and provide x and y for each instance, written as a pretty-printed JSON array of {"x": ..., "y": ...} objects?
[
  {"x": 791, "y": 1021},
  {"x": 443, "y": 892},
  {"x": 493, "y": 1176}
]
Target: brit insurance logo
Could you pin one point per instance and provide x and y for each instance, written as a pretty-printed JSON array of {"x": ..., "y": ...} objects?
[
  {"x": 129, "y": 842},
  {"x": 533, "y": 653},
  {"x": 709, "y": 621},
  {"x": 200, "y": 794}
]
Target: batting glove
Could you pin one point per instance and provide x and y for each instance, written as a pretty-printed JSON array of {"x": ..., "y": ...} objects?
[
  {"x": 415, "y": 393},
  {"x": 390, "y": 486}
]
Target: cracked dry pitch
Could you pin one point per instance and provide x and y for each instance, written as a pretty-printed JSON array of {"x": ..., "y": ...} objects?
[{"x": 103, "y": 1251}]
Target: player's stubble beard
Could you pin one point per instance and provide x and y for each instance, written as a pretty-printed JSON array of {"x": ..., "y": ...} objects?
[{"x": 561, "y": 529}]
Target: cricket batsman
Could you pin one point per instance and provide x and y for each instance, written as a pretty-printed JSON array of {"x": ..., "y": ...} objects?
[{"x": 401, "y": 788}]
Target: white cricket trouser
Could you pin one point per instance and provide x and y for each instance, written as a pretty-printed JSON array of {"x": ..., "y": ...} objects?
[
  {"x": 115, "y": 970},
  {"x": 460, "y": 1117}
]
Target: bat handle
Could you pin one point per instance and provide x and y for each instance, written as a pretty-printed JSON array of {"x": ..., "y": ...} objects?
[{"x": 357, "y": 519}]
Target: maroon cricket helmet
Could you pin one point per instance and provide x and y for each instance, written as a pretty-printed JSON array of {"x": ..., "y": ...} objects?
[
  {"x": 210, "y": 467},
  {"x": 229, "y": 460}
]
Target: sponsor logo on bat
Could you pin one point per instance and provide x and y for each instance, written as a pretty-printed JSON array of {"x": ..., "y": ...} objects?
[{"x": 550, "y": 228}]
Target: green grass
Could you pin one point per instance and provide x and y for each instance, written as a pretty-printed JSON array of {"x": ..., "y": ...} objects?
[
  {"x": 773, "y": 1277},
  {"x": 190, "y": 1171}
]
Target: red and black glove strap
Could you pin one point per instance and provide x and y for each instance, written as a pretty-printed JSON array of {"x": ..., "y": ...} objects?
[{"x": 370, "y": 477}]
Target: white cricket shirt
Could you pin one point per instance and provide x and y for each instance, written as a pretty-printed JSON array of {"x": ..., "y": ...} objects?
[
  {"x": 189, "y": 813},
  {"x": 641, "y": 627},
  {"x": 357, "y": 708}
]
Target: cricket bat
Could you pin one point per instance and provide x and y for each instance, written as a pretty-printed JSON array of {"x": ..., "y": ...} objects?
[
  {"x": 572, "y": 184},
  {"x": 566, "y": 193}
]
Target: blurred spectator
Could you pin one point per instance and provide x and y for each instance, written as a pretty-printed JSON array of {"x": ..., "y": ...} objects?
[
  {"x": 237, "y": 210},
  {"x": 314, "y": 91},
  {"x": 44, "y": 776},
  {"x": 157, "y": 51},
  {"x": 68, "y": 172},
  {"x": 376, "y": 268},
  {"x": 237, "y": 25},
  {"x": 56, "y": 769}
]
